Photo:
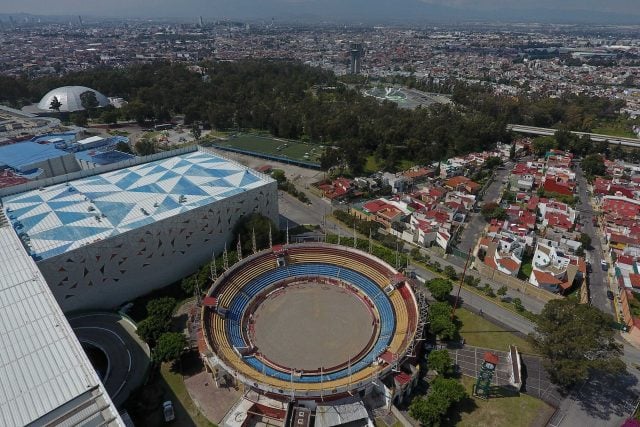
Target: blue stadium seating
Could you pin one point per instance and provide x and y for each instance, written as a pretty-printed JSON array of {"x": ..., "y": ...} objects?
[{"x": 241, "y": 300}]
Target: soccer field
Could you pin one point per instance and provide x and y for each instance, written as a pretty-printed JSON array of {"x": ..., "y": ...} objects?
[{"x": 275, "y": 147}]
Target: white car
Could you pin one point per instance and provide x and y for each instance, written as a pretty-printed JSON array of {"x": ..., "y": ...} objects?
[{"x": 167, "y": 410}]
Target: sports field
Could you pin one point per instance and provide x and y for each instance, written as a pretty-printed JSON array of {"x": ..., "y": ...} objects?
[{"x": 294, "y": 150}]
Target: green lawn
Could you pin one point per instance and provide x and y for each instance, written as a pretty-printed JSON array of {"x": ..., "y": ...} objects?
[
  {"x": 274, "y": 146},
  {"x": 478, "y": 331},
  {"x": 614, "y": 130},
  {"x": 406, "y": 164},
  {"x": 519, "y": 410},
  {"x": 372, "y": 165},
  {"x": 525, "y": 271}
]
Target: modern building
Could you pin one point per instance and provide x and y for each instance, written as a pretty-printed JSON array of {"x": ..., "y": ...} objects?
[
  {"x": 46, "y": 378},
  {"x": 106, "y": 238},
  {"x": 70, "y": 98}
]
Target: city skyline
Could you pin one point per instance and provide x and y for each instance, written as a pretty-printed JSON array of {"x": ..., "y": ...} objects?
[{"x": 410, "y": 11}]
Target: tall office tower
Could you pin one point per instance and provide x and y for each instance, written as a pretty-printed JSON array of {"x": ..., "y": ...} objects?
[
  {"x": 80, "y": 20},
  {"x": 201, "y": 22},
  {"x": 356, "y": 57}
]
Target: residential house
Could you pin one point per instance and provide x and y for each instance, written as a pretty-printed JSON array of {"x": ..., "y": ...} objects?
[
  {"x": 554, "y": 270},
  {"x": 462, "y": 183}
]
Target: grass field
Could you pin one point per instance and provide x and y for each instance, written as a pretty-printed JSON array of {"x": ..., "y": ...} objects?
[
  {"x": 614, "y": 130},
  {"x": 519, "y": 410},
  {"x": 477, "y": 331},
  {"x": 372, "y": 165},
  {"x": 274, "y": 146}
]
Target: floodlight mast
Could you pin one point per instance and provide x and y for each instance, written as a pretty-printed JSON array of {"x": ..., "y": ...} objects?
[{"x": 464, "y": 272}]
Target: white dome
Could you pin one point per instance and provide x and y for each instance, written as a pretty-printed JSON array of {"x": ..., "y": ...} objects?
[{"x": 69, "y": 97}]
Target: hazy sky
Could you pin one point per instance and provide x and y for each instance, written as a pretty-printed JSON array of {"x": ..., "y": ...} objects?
[{"x": 591, "y": 9}]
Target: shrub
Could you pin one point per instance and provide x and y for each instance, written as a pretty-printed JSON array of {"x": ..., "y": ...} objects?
[
  {"x": 517, "y": 303},
  {"x": 450, "y": 272}
]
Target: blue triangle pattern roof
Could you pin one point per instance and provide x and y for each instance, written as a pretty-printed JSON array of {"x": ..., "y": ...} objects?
[{"x": 70, "y": 215}]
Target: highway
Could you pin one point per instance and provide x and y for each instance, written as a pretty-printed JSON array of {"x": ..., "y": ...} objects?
[{"x": 532, "y": 130}]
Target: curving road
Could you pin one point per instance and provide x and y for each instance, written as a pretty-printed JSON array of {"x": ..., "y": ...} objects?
[{"x": 127, "y": 355}]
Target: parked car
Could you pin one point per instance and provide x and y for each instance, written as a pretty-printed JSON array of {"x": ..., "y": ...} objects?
[
  {"x": 610, "y": 295},
  {"x": 167, "y": 410},
  {"x": 604, "y": 265}
]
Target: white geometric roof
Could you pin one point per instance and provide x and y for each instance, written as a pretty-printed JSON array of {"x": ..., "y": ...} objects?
[
  {"x": 66, "y": 216},
  {"x": 69, "y": 97}
]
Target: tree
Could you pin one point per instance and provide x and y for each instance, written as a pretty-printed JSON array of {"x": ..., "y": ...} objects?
[
  {"x": 443, "y": 395},
  {"x": 150, "y": 329},
  {"x": 450, "y": 272},
  {"x": 110, "y": 117},
  {"x": 593, "y": 165},
  {"x": 79, "y": 118},
  {"x": 517, "y": 303},
  {"x": 55, "y": 104},
  {"x": 259, "y": 225},
  {"x": 124, "y": 147},
  {"x": 492, "y": 163},
  {"x": 441, "y": 323},
  {"x": 145, "y": 146},
  {"x": 576, "y": 339},
  {"x": 440, "y": 288},
  {"x": 196, "y": 132},
  {"x": 89, "y": 101},
  {"x": 543, "y": 144},
  {"x": 502, "y": 291},
  {"x": 170, "y": 347},
  {"x": 440, "y": 361},
  {"x": 428, "y": 411},
  {"x": 512, "y": 151},
  {"x": 585, "y": 240},
  {"x": 161, "y": 308},
  {"x": 492, "y": 210},
  {"x": 278, "y": 175}
]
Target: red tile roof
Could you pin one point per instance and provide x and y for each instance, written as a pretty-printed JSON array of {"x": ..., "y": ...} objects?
[
  {"x": 509, "y": 264},
  {"x": 635, "y": 280},
  {"x": 625, "y": 259},
  {"x": 555, "y": 187},
  {"x": 543, "y": 277}
]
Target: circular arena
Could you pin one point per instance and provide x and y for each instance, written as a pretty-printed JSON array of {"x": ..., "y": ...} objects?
[{"x": 310, "y": 320}]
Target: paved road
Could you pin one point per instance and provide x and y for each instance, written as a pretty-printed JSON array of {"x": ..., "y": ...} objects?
[
  {"x": 128, "y": 357},
  {"x": 530, "y": 303},
  {"x": 473, "y": 229},
  {"x": 598, "y": 282},
  {"x": 512, "y": 321}
]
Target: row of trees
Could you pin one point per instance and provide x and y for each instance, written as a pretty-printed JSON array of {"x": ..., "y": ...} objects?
[{"x": 155, "y": 330}]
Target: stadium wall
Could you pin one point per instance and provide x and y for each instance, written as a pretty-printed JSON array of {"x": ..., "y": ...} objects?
[{"x": 108, "y": 273}]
